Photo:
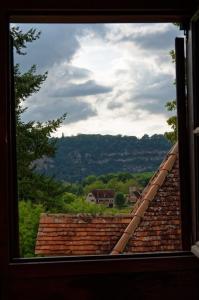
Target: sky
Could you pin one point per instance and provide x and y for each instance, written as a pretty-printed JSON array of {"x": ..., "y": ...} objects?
[{"x": 108, "y": 78}]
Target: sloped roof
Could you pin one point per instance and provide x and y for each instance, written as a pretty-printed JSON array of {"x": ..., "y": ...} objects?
[
  {"x": 156, "y": 218},
  {"x": 103, "y": 193},
  {"x": 63, "y": 234},
  {"x": 154, "y": 224}
]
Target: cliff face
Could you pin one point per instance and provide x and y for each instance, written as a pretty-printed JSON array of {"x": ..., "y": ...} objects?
[{"x": 83, "y": 155}]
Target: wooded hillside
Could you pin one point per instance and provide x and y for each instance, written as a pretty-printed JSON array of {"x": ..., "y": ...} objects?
[{"x": 83, "y": 155}]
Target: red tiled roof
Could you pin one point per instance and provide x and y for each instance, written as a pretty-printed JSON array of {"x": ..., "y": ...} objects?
[
  {"x": 157, "y": 212},
  {"x": 158, "y": 229},
  {"x": 101, "y": 193},
  {"x": 62, "y": 234}
]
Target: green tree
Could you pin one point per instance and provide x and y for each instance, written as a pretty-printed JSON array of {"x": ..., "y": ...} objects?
[
  {"x": 172, "y": 135},
  {"x": 68, "y": 198},
  {"x": 32, "y": 138},
  {"x": 142, "y": 179},
  {"x": 95, "y": 185},
  {"x": 29, "y": 215},
  {"x": 115, "y": 184},
  {"x": 119, "y": 200},
  {"x": 45, "y": 190},
  {"x": 172, "y": 121},
  {"x": 80, "y": 205},
  {"x": 89, "y": 180}
]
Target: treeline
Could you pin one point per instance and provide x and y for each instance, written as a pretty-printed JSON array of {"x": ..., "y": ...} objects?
[
  {"x": 54, "y": 195},
  {"x": 78, "y": 156}
]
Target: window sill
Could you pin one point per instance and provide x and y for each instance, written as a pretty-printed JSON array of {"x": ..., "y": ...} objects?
[{"x": 93, "y": 265}]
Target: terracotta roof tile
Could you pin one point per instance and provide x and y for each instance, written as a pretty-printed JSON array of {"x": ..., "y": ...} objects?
[
  {"x": 62, "y": 234},
  {"x": 161, "y": 223}
]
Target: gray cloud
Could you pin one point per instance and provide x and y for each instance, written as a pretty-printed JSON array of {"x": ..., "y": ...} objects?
[
  {"x": 57, "y": 43},
  {"x": 155, "y": 107},
  {"x": 163, "y": 59},
  {"x": 83, "y": 89},
  {"x": 157, "y": 87},
  {"x": 114, "y": 105},
  {"x": 157, "y": 40},
  {"x": 72, "y": 72},
  {"x": 52, "y": 109},
  {"x": 152, "y": 95}
]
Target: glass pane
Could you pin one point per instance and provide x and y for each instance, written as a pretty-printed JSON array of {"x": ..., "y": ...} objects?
[{"x": 95, "y": 124}]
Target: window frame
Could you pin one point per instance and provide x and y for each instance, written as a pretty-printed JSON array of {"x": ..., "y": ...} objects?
[
  {"x": 193, "y": 126},
  {"x": 49, "y": 12}
]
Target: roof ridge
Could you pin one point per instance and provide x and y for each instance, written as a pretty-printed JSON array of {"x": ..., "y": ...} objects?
[
  {"x": 147, "y": 196},
  {"x": 70, "y": 215}
]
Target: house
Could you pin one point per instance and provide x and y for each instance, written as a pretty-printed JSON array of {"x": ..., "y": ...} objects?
[
  {"x": 134, "y": 194},
  {"x": 154, "y": 225},
  {"x": 90, "y": 198},
  {"x": 102, "y": 196}
]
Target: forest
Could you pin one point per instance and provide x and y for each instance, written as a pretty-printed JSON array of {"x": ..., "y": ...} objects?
[{"x": 79, "y": 156}]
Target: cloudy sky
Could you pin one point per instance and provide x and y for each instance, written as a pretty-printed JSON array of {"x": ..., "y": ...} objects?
[{"x": 108, "y": 78}]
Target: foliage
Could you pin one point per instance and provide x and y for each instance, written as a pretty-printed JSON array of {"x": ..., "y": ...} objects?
[
  {"x": 20, "y": 38},
  {"x": 29, "y": 214},
  {"x": 78, "y": 157},
  {"x": 172, "y": 136},
  {"x": 172, "y": 121},
  {"x": 68, "y": 198},
  {"x": 98, "y": 184},
  {"x": 120, "y": 182},
  {"x": 119, "y": 200},
  {"x": 173, "y": 56},
  {"x": 89, "y": 180},
  {"x": 81, "y": 206},
  {"x": 32, "y": 138},
  {"x": 39, "y": 193},
  {"x": 142, "y": 179},
  {"x": 45, "y": 190}
]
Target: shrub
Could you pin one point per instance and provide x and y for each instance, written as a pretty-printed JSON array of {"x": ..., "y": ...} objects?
[{"x": 29, "y": 215}]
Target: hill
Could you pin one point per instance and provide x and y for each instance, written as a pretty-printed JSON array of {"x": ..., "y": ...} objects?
[{"x": 82, "y": 155}]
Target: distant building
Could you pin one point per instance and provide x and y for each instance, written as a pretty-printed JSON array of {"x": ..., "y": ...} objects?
[
  {"x": 90, "y": 198},
  {"x": 134, "y": 194},
  {"x": 102, "y": 196}
]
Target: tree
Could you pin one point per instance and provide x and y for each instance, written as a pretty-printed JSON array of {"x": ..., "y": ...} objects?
[
  {"x": 172, "y": 136},
  {"x": 89, "y": 180},
  {"x": 172, "y": 121},
  {"x": 45, "y": 190},
  {"x": 29, "y": 214},
  {"x": 32, "y": 138},
  {"x": 93, "y": 186},
  {"x": 119, "y": 200}
]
